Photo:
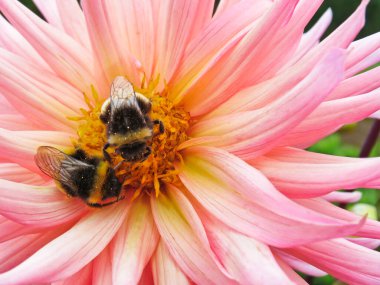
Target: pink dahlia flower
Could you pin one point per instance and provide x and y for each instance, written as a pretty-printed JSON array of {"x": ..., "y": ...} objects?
[{"x": 228, "y": 194}]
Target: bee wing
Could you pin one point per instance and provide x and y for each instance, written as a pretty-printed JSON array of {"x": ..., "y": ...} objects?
[
  {"x": 122, "y": 92},
  {"x": 58, "y": 165}
]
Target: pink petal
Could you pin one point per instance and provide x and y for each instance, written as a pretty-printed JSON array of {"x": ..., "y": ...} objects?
[
  {"x": 226, "y": 5},
  {"x": 177, "y": 22},
  {"x": 370, "y": 229},
  {"x": 366, "y": 242},
  {"x": 20, "y": 146},
  {"x": 234, "y": 70},
  {"x": 83, "y": 277},
  {"x": 10, "y": 230},
  {"x": 242, "y": 256},
  {"x": 107, "y": 22},
  {"x": 223, "y": 33},
  {"x": 368, "y": 61},
  {"x": 242, "y": 198},
  {"x": 312, "y": 37},
  {"x": 41, "y": 206},
  {"x": 249, "y": 134},
  {"x": 39, "y": 95},
  {"x": 165, "y": 270},
  {"x": 301, "y": 174},
  {"x": 359, "y": 84},
  {"x": 343, "y": 197},
  {"x": 134, "y": 244},
  {"x": 15, "y": 251},
  {"x": 15, "y": 122},
  {"x": 63, "y": 54},
  {"x": 59, "y": 258},
  {"x": 66, "y": 16},
  {"x": 16, "y": 173},
  {"x": 102, "y": 268},
  {"x": 147, "y": 276},
  {"x": 184, "y": 235},
  {"x": 376, "y": 115},
  {"x": 344, "y": 260},
  {"x": 330, "y": 116},
  {"x": 360, "y": 49},
  {"x": 292, "y": 275},
  {"x": 13, "y": 41},
  {"x": 300, "y": 265}
]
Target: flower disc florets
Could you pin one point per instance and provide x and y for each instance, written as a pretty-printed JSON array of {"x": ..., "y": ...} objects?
[{"x": 158, "y": 168}]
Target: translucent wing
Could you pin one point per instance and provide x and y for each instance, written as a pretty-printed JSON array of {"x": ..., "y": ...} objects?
[
  {"x": 122, "y": 93},
  {"x": 59, "y": 165}
]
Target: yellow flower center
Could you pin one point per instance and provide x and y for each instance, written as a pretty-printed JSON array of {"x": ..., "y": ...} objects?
[{"x": 158, "y": 168}]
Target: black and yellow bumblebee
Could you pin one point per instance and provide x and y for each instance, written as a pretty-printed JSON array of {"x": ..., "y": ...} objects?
[
  {"x": 92, "y": 179},
  {"x": 129, "y": 126}
]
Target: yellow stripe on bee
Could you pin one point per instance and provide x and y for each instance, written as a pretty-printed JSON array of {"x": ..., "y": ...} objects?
[
  {"x": 96, "y": 194},
  {"x": 130, "y": 137}
]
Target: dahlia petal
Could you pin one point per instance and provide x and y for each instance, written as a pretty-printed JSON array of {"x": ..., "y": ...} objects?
[
  {"x": 64, "y": 55},
  {"x": 134, "y": 244},
  {"x": 343, "y": 259},
  {"x": 359, "y": 84},
  {"x": 107, "y": 22},
  {"x": 83, "y": 277},
  {"x": 343, "y": 197},
  {"x": 59, "y": 258},
  {"x": 330, "y": 116},
  {"x": 38, "y": 95},
  {"x": 366, "y": 242},
  {"x": 312, "y": 37},
  {"x": 15, "y": 122},
  {"x": 16, "y": 173},
  {"x": 292, "y": 275},
  {"x": 147, "y": 276},
  {"x": 242, "y": 256},
  {"x": 223, "y": 33},
  {"x": 20, "y": 146},
  {"x": 12, "y": 40},
  {"x": 367, "y": 62},
  {"x": 239, "y": 195},
  {"x": 226, "y": 5},
  {"x": 251, "y": 133},
  {"x": 300, "y": 265},
  {"x": 15, "y": 251},
  {"x": 66, "y": 16},
  {"x": 295, "y": 173},
  {"x": 360, "y": 49},
  {"x": 234, "y": 68},
  {"x": 177, "y": 22},
  {"x": 183, "y": 233},
  {"x": 341, "y": 37},
  {"x": 42, "y": 206},
  {"x": 10, "y": 230},
  {"x": 102, "y": 268},
  {"x": 370, "y": 229},
  {"x": 376, "y": 115},
  {"x": 165, "y": 270}
]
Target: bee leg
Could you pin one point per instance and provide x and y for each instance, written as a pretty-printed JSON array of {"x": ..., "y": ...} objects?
[
  {"x": 162, "y": 127},
  {"x": 105, "y": 153},
  {"x": 147, "y": 153}
]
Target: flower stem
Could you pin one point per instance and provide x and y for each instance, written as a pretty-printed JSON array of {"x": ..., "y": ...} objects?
[{"x": 371, "y": 139}]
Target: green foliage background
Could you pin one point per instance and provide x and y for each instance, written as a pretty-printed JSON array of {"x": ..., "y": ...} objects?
[{"x": 334, "y": 144}]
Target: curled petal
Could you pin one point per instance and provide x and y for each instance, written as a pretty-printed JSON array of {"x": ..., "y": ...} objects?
[
  {"x": 239, "y": 195},
  {"x": 343, "y": 197},
  {"x": 134, "y": 244},
  {"x": 292, "y": 275},
  {"x": 242, "y": 256},
  {"x": 21, "y": 146},
  {"x": 367, "y": 62},
  {"x": 59, "y": 258},
  {"x": 41, "y": 206},
  {"x": 249, "y": 134},
  {"x": 165, "y": 269},
  {"x": 65, "y": 56},
  {"x": 301, "y": 174},
  {"x": 345, "y": 260},
  {"x": 366, "y": 242},
  {"x": 184, "y": 235},
  {"x": 66, "y": 16}
]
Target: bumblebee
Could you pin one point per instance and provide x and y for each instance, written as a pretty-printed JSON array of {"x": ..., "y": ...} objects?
[
  {"x": 91, "y": 179},
  {"x": 129, "y": 126}
]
